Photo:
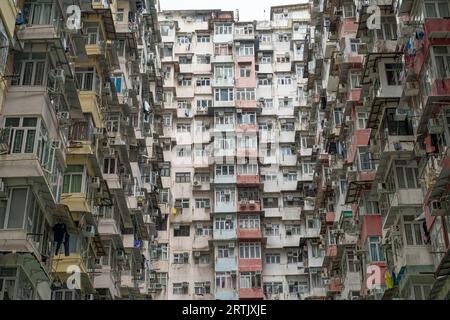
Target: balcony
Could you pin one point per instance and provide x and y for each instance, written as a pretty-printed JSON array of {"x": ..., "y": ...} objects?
[
  {"x": 251, "y": 293},
  {"x": 222, "y": 59},
  {"x": 186, "y": 68},
  {"x": 225, "y": 207},
  {"x": 265, "y": 68},
  {"x": 437, "y": 28},
  {"x": 399, "y": 200},
  {"x": 335, "y": 285},
  {"x": 221, "y": 234},
  {"x": 249, "y": 234},
  {"x": 224, "y": 179},
  {"x": 90, "y": 104},
  {"x": 201, "y": 243},
  {"x": 288, "y": 160},
  {"x": 223, "y": 82},
  {"x": 287, "y": 137},
  {"x": 224, "y": 104},
  {"x": 226, "y": 294},
  {"x": 246, "y": 127},
  {"x": 63, "y": 266},
  {"x": 226, "y": 264},
  {"x": 247, "y": 152},
  {"x": 185, "y": 92}
]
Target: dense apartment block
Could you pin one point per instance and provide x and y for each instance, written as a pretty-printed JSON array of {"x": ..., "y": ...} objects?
[{"x": 80, "y": 118}]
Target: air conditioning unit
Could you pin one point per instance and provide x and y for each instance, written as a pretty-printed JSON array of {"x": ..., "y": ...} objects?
[
  {"x": 231, "y": 245},
  {"x": 244, "y": 202},
  {"x": 251, "y": 203},
  {"x": 322, "y": 211},
  {"x": 196, "y": 183},
  {"x": 437, "y": 208},
  {"x": 348, "y": 119},
  {"x": 229, "y": 217},
  {"x": 237, "y": 44},
  {"x": 95, "y": 182},
  {"x": 382, "y": 187},
  {"x": 269, "y": 76},
  {"x": 197, "y": 254},
  {"x": 257, "y": 271},
  {"x": 199, "y": 226},
  {"x": 260, "y": 54},
  {"x": 158, "y": 286},
  {"x": 400, "y": 114},
  {"x": 290, "y": 197}
]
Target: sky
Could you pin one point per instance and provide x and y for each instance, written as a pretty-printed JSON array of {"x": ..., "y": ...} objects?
[{"x": 249, "y": 10}]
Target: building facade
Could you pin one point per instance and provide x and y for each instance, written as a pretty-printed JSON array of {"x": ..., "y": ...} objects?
[{"x": 79, "y": 169}]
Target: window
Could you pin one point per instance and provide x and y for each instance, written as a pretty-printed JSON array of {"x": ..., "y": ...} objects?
[
  {"x": 365, "y": 160},
  {"x": 250, "y": 280},
  {"x": 421, "y": 291},
  {"x": 250, "y": 250},
  {"x": 225, "y": 195},
  {"x": 245, "y": 71},
  {"x": 293, "y": 256},
  {"x": 202, "y": 288},
  {"x": 225, "y": 280},
  {"x": 283, "y": 37},
  {"x": 436, "y": 9},
  {"x": 183, "y": 127},
  {"x": 272, "y": 258},
  {"x": 184, "y": 40},
  {"x": 270, "y": 202},
  {"x": 180, "y": 288},
  {"x": 283, "y": 59},
  {"x": 263, "y": 80},
  {"x": 223, "y": 72},
  {"x": 203, "y": 59},
  {"x": 73, "y": 179},
  {"x": 265, "y": 59},
  {"x": 223, "y": 49},
  {"x": 93, "y": 34},
  {"x": 119, "y": 15},
  {"x": 272, "y": 229},
  {"x": 164, "y": 195},
  {"x": 203, "y": 82},
  {"x": 223, "y": 28},
  {"x": 249, "y": 221},
  {"x": 267, "y": 104},
  {"x": 266, "y": 37},
  {"x": 375, "y": 251},
  {"x": 39, "y": 13},
  {"x": 248, "y": 142},
  {"x": 183, "y": 152},
  {"x": 204, "y": 231},
  {"x": 388, "y": 30},
  {"x": 393, "y": 71},
  {"x": 290, "y": 176},
  {"x": 413, "y": 231},
  {"x": 14, "y": 209},
  {"x": 407, "y": 177},
  {"x": 244, "y": 30},
  {"x": 349, "y": 10},
  {"x": 442, "y": 60},
  {"x": 308, "y": 168},
  {"x": 182, "y": 203},
  {"x": 225, "y": 170},
  {"x": 313, "y": 223},
  {"x": 224, "y": 251},
  {"x": 361, "y": 120},
  {"x": 248, "y": 169},
  {"x": 161, "y": 278},
  {"x": 245, "y": 94},
  {"x": 167, "y": 51},
  {"x": 110, "y": 166},
  {"x": 168, "y": 97},
  {"x": 202, "y": 203},
  {"x": 203, "y": 259},
  {"x": 355, "y": 80},
  {"x": 273, "y": 288},
  {"x": 316, "y": 252},
  {"x": 203, "y": 104},
  {"x": 165, "y": 170},
  {"x": 167, "y": 120},
  {"x": 297, "y": 287},
  {"x": 203, "y": 38},
  {"x": 224, "y": 94},
  {"x": 182, "y": 177},
  {"x": 284, "y": 80},
  {"x": 181, "y": 231},
  {"x": 166, "y": 31},
  {"x": 185, "y": 82},
  {"x": 293, "y": 230},
  {"x": 224, "y": 224},
  {"x": 245, "y": 49},
  {"x": 30, "y": 69},
  {"x": 246, "y": 118}
]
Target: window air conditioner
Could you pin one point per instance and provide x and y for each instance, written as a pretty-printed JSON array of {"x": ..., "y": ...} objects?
[
  {"x": 231, "y": 245},
  {"x": 95, "y": 182},
  {"x": 229, "y": 217},
  {"x": 437, "y": 208},
  {"x": 89, "y": 231},
  {"x": 197, "y": 254}
]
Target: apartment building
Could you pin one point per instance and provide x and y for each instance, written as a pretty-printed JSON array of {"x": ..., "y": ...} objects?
[
  {"x": 384, "y": 185},
  {"x": 80, "y": 121},
  {"x": 238, "y": 186}
]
